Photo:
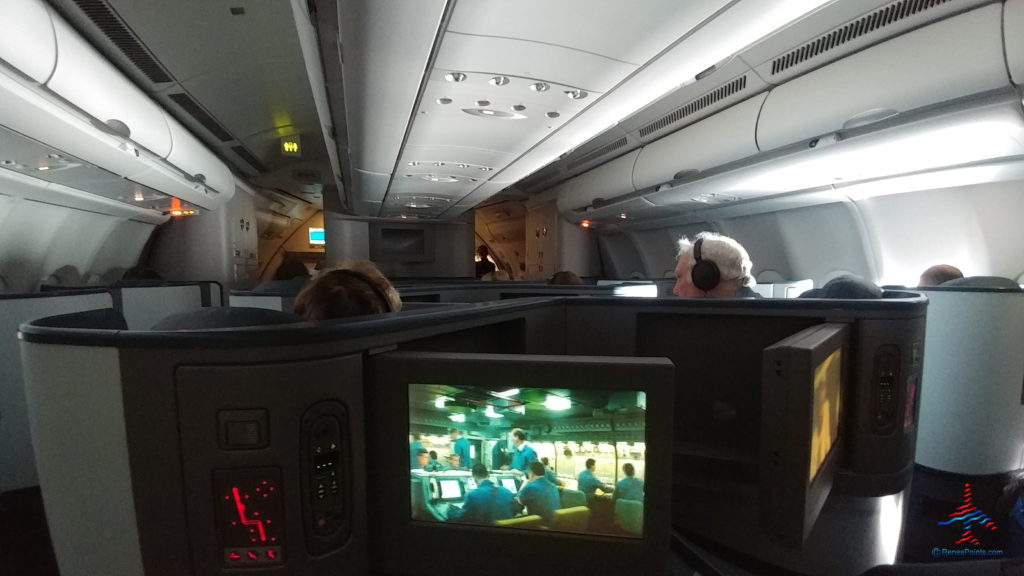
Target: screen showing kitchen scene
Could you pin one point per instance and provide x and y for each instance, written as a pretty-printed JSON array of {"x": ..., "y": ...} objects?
[{"x": 566, "y": 459}]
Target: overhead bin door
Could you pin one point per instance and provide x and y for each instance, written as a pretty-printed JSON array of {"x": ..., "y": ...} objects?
[{"x": 954, "y": 58}]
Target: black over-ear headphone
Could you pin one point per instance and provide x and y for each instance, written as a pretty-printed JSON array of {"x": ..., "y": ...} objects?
[
  {"x": 705, "y": 273},
  {"x": 381, "y": 295}
]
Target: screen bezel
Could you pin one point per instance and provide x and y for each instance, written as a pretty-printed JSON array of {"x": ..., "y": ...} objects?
[
  {"x": 389, "y": 376},
  {"x": 790, "y": 501}
]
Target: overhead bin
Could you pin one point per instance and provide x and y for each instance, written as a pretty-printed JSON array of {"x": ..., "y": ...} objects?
[
  {"x": 950, "y": 59},
  {"x": 601, "y": 185},
  {"x": 56, "y": 89},
  {"x": 27, "y": 23},
  {"x": 719, "y": 139},
  {"x": 1013, "y": 33},
  {"x": 88, "y": 81}
]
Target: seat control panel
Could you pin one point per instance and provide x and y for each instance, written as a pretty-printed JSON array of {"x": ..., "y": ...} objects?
[
  {"x": 326, "y": 477},
  {"x": 886, "y": 390}
]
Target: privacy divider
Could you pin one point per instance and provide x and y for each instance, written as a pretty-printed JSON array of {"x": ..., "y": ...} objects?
[
  {"x": 203, "y": 412},
  {"x": 17, "y": 463}
]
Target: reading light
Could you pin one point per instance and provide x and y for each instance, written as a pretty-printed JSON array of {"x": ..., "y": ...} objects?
[
  {"x": 457, "y": 417},
  {"x": 557, "y": 403},
  {"x": 576, "y": 94},
  {"x": 585, "y": 224},
  {"x": 552, "y": 114},
  {"x": 139, "y": 197},
  {"x": 540, "y": 87},
  {"x": 518, "y": 107},
  {"x": 498, "y": 81},
  {"x": 482, "y": 103},
  {"x": 490, "y": 413},
  {"x": 455, "y": 77},
  {"x": 444, "y": 100}
]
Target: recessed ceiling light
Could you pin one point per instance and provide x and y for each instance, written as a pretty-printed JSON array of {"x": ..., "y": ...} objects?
[
  {"x": 413, "y": 163},
  {"x": 444, "y": 100},
  {"x": 455, "y": 77},
  {"x": 576, "y": 94},
  {"x": 498, "y": 81},
  {"x": 552, "y": 114},
  {"x": 482, "y": 103},
  {"x": 518, "y": 107},
  {"x": 497, "y": 114},
  {"x": 540, "y": 87},
  {"x": 622, "y": 215}
]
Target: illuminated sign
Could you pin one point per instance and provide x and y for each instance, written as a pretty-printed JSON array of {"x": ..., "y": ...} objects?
[{"x": 291, "y": 146}]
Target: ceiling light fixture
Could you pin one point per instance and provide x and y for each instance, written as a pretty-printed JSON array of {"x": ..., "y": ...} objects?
[
  {"x": 457, "y": 417},
  {"x": 518, "y": 107},
  {"x": 454, "y": 77},
  {"x": 576, "y": 94},
  {"x": 557, "y": 403},
  {"x": 498, "y": 81},
  {"x": 552, "y": 114},
  {"x": 444, "y": 100},
  {"x": 496, "y": 114},
  {"x": 540, "y": 87},
  {"x": 490, "y": 413}
]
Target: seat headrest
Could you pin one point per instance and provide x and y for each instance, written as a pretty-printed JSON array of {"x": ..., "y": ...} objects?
[
  {"x": 225, "y": 317},
  {"x": 846, "y": 286},
  {"x": 982, "y": 282}
]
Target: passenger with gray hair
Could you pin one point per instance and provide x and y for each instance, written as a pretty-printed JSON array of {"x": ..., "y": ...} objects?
[{"x": 713, "y": 266}]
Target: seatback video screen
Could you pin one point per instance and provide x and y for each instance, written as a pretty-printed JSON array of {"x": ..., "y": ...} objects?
[
  {"x": 825, "y": 426},
  {"x": 565, "y": 460}
]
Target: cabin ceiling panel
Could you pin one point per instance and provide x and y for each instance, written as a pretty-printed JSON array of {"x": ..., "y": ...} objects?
[
  {"x": 452, "y": 158},
  {"x": 631, "y": 32},
  {"x": 543, "y": 62}
]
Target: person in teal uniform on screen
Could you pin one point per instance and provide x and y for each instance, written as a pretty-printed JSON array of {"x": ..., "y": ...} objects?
[
  {"x": 487, "y": 503},
  {"x": 460, "y": 446},
  {"x": 629, "y": 487},
  {"x": 538, "y": 494},
  {"x": 588, "y": 482},
  {"x": 523, "y": 455}
]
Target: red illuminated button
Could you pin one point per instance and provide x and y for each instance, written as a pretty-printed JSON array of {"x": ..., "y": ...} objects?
[
  {"x": 254, "y": 556},
  {"x": 234, "y": 556},
  {"x": 272, "y": 554}
]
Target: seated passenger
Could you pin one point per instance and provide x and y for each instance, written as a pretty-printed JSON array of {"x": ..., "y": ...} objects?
[
  {"x": 499, "y": 459},
  {"x": 938, "y": 274},
  {"x": 629, "y": 488},
  {"x": 588, "y": 482},
  {"x": 487, "y": 503},
  {"x": 713, "y": 266},
  {"x": 454, "y": 462},
  {"x": 289, "y": 279},
  {"x": 565, "y": 278},
  {"x": 846, "y": 286},
  {"x": 538, "y": 494},
  {"x": 426, "y": 463},
  {"x": 357, "y": 288},
  {"x": 549, "y": 472}
]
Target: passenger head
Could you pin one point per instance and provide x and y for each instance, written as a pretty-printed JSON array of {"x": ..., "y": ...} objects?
[
  {"x": 712, "y": 266},
  {"x": 454, "y": 460},
  {"x": 847, "y": 287},
  {"x": 545, "y": 461},
  {"x": 480, "y": 472},
  {"x": 291, "y": 268},
  {"x": 482, "y": 252},
  {"x": 141, "y": 273},
  {"x": 357, "y": 288},
  {"x": 433, "y": 455},
  {"x": 565, "y": 278},
  {"x": 938, "y": 274},
  {"x": 454, "y": 433},
  {"x": 536, "y": 470},
  {"x": 518, "y": 436},
  {"x": 590, "y": 463},
  {"x": 628, "y": 469},
  {"x": 422, "y": 457}
]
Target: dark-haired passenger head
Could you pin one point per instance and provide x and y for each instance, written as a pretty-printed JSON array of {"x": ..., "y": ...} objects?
[
  {"x": 357, "y": 288},
  {"x": 939, "y": 274},
  {"x": 628, "y": 469},
  {"x": 846, "y": 286},
  {"x": 590, "y": 463},
  {"x": 565, "y": 278},
  {"x": 480, "y": 471},
  {"x": 537, "y": 469},
  {"x": 482, "y": 251},
  {"x": 291, "y": 268},
  {"x": 518, "y": 435}
]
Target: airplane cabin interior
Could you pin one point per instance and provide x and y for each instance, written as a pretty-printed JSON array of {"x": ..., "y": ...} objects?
[{"x": 164, "y": 411}]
